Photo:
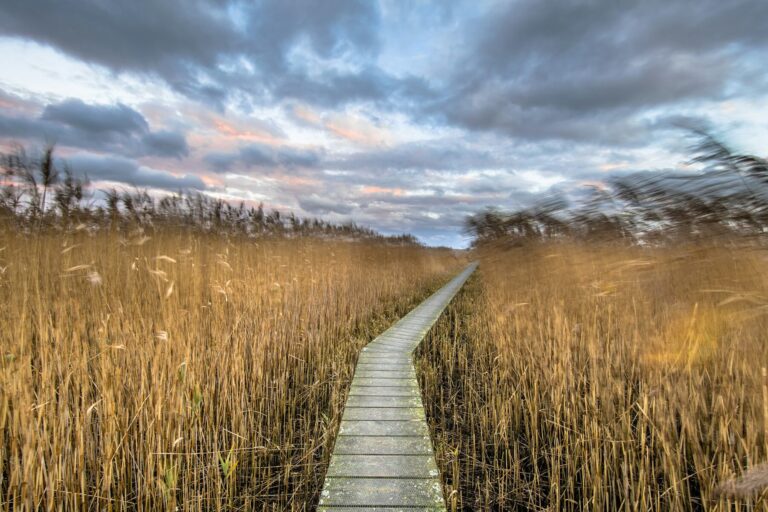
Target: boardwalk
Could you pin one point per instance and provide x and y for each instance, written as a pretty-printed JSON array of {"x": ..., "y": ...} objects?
[{"x": 383, "y": 458}]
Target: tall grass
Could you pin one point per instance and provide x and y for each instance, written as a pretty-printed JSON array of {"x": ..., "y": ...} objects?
[
  {"x": 571, "y": 376},
  {"x": 185, "y": 369}
]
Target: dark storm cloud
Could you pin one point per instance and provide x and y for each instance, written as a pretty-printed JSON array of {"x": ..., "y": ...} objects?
[
  {"x": 96, "y": 119},
  {"x": 26, "y": 128},
  {"x": 124, "y": 170},
  {"x": 210, "y": 49},
  {"x": 136, "y": 36},
  {"x": 583, "y": 70},
  {"x": 487, "y": 110},
  {"x": 165, "y": 143},
  {"x": 170, "y": 39},
  {"x": 115, "y": 128},
  {"x": 561, "y": 69}
]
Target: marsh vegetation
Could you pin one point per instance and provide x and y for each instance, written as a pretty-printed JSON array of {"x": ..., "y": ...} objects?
[
  {"x": 181, "y": 352},
  {"x": 611, "y": 352},
  {"x": 572, "y": 377}
]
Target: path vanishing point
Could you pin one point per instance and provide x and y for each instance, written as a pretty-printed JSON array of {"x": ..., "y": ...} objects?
[{"x": 383, "y": 459}]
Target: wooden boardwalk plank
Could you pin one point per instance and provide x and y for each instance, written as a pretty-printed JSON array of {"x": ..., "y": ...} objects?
[
  {"x": 380, "y": 391},
  {"x": 391, "y": 492},
  {"x": 383, "y": 401},
  {"x": 415, "y": 427},
  {"x": 382, "y": 445},
  {"x": 383, "y": 413},
  {"x": 383, "y": 458},
  {"x": 391, "y": 374},
  {"x": 383, "y": 367},
  {"x": 378, "y": 381},
  {"x": 383, "y": 466}
]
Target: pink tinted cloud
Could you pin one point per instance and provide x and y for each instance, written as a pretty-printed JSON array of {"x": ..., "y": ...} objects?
[
  {"x": 351, "y": 127},
  {"x": 234, "y": 130},
  {"x": 210, "y": 131},
  {"x": 372, "y": 190},
  {"x": 357, "y": 130},
  {"x": 297, "y": 181},
  {"x": 10, "y": 102},
  {"x": 307, "y": 115}
]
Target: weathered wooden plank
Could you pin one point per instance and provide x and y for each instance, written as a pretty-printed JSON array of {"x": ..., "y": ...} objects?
[
  {"x": 392, "y": 492},
  {"x": 383, "y": 413},
  {"x": 392, "y": 358},
  {"x": 383, "y": 401},
  {"x": 404, "y": 332},
  {"x": 396, "y": 333},
  {"x": 391, "y": 341},
  {"x": 390, "y": 349},
  {"x": 384, "y": 366},
  {"x": 379, "y": 391},
  {"x": 382, "y": 351},
  {"x": 383, "y": 466},
  {"x": 385, "y": 374},
  {"x": 390, "y": 346},
  {"x": 382, "y": 445},
  {"x": 405, "y": 428},
  {"x": 398, "y": 347},
  {"x": 377, "y": 381},
  {"x": 383, "y": 457},
  {"x": 379, "y": 359}
]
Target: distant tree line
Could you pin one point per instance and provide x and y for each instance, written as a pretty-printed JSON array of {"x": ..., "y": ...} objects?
[
  {"x": 726, "y": 196},
  {"x": 36, "y": 194}
]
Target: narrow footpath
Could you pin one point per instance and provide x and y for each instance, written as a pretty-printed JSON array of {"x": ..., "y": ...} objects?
[{"x": 384, "y": 458}]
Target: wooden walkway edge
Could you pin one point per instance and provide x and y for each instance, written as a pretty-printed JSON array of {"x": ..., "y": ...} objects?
[{"x": 383, "y": 459}]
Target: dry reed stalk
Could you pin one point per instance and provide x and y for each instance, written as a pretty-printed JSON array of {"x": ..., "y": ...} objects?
[
  {"x": 617, "y": 386},
  {"x": 146, "y": 388}
]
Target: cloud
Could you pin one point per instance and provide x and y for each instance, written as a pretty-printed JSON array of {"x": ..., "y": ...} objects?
[
  {"x": 406, "y": 116},
  {"x": 212, "y": 49},
  {"x": 165, "y": 143},
  {"x": 110, "y": 128},
  {"x": 588, "y": 71},
  {"x": 352, "y": 127},
  {"x": 125, "y": 170},
  {"x": 418, "y": 155},
  {"x": 526, "y": 69},
  {"x": 317, "y": 205},
  {"x": 96, "y": 119},
  {"x": 265, "y": 156},
  {"x": 169, "y": 39},
  {"x": 220, "y": 162},
  {"x": 250, "y": 129},
  {"x": 530, "y": 70}
]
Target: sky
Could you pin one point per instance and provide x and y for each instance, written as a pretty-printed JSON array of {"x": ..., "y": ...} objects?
[{"x": 405, "y": 116}]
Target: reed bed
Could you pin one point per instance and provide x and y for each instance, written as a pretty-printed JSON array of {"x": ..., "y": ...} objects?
[
  {"x": 175, "y": 370},
  {"x": 571, "y": 376}
]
